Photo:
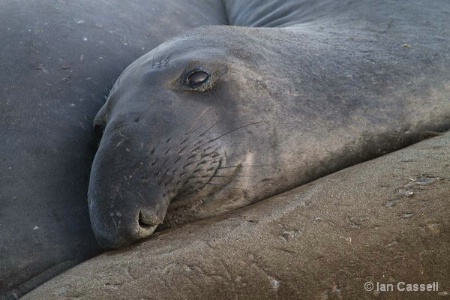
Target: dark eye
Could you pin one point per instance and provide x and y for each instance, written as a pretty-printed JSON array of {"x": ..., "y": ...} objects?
[{"x": 197, "y": 78}]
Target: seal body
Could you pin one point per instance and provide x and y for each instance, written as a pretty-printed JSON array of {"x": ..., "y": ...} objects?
[
  {"x": 59, "y": 59},
  {"x": 225, "y": 116},
  {"x": 322, "y": 235}
]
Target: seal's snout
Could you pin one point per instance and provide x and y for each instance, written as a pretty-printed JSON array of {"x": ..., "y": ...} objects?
[
  {"x": 139, "y": 169},
  {"x": 126, "y": 228}
]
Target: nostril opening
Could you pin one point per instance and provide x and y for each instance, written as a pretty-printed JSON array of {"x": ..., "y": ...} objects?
[
  {"x": 136, "y": 120},
  {"x": 145, "y": 224}
]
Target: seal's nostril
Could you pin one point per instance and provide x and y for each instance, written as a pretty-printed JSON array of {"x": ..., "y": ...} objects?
[
  {"x": 145, "y": 222},
  {"x": 147, "y": 225}
]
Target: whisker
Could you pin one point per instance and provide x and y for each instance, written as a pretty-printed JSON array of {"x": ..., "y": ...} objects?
[
  {"x": 234, "y": 175},
  {"x": 231, "y": 187},
  {"x": 244, "y": 166},
  {"x": 199, "y": 117},
  {"x": 191, "y": 132},
  {"x": 202, "y": 134},
  {"x": 231, "y": 131}
]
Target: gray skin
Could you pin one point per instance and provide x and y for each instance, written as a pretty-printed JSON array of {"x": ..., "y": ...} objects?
[
  {"x": 59, "y": 60},
  {"x": 224, "y": 116}
]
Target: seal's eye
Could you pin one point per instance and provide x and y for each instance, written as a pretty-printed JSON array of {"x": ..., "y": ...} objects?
[{"x": 196, "y": 78}]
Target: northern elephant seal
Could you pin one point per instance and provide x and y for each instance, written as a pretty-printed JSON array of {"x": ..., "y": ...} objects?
[
  {"x": 59, "y": 59},
  {"x": 224, "y": 116}
]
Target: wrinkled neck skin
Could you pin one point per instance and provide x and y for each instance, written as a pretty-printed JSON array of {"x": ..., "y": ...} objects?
[{"x": 282, "y": 106}]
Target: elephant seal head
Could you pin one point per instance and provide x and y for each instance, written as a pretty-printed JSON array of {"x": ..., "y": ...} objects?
[{"x": 179, "y": 136}]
